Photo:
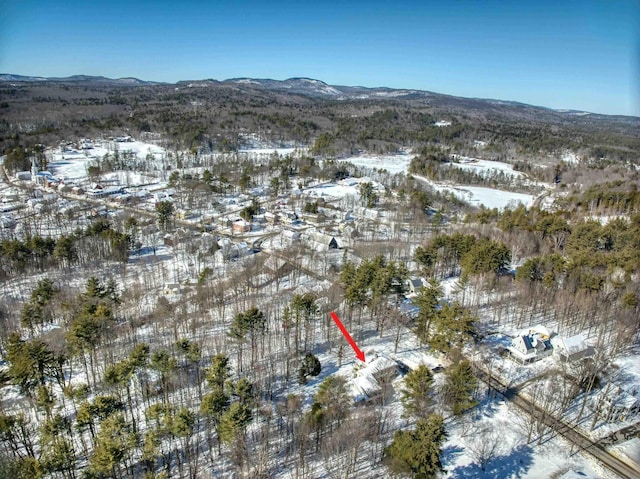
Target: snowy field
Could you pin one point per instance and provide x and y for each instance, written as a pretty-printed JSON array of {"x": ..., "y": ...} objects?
[
  {"x": 480, "y": 195},
  {"x": 256, "y": 153},
  {"x": 392, "y": 163},
  {"x": 341, "y": 189},
  {"x": 254, "y": 147},
  {"x": 72, "y": 164},
  {"x": 488, "y": 197},
  {"x": 485, "y": 167},
  {"x": 474, "y": 195}
]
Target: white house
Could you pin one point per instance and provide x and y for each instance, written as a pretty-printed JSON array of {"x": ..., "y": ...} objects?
[
  {"x": 230, "y": 251},
  {"x": 531, "y": 345},
  {"x": 289, "y": 238}
]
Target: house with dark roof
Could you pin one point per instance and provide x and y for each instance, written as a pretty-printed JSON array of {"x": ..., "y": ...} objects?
[
  {"x": 414, "y": 285},
  {"x": 531, "y": 345},
  {"x": 321, "y": 241}
]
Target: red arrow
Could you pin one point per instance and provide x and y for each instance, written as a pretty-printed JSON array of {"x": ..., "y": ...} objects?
[{"x": 359, "y": 352}]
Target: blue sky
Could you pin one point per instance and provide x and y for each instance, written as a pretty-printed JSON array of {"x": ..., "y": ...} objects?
[{"x": 582, "y": 55}]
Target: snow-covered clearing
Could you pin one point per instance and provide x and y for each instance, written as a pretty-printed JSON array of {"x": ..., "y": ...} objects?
[
  {"x": 474, "y": 195},
  {"x": 488, "y": 197},
  {"x": 71, "y": 164},
  {"x": 392, "y": 163},
  {"x": 480, "y": 195},
  {"x": 341, "y": 189},
  {"x": 570, "y": 157},
  {"x": 484, "y": 167}
]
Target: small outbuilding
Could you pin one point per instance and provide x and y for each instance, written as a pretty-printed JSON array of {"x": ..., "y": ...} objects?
[
  {"x": 414, "y": 285},
  {"x": 571, "y": 349}
]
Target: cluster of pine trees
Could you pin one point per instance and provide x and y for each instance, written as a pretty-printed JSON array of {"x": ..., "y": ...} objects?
[{"x": 99, "y": 240}]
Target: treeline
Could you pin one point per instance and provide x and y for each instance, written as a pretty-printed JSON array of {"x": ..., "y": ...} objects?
[
  {"x": 98, "y": 241},
  {"x": 216, "y": 117},
  {"x": 619, "y": 197},
  {"x": 437, "y": 166},
  {"x": 466, "y": 254},
  {"x": 570, "y": 252}
]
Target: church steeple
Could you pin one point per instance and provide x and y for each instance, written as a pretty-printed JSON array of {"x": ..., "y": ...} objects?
[{"x": 34, "y": 169}]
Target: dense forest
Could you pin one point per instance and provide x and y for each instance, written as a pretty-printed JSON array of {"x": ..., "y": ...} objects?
[{"x": 207, "y": 116}]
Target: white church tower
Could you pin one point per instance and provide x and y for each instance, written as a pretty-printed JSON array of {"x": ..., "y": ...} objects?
[{"x": 34, "y": 170}]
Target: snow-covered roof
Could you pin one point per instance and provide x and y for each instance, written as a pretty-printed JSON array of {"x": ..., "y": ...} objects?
[
  {"x": 379, "y": 364},
  {"x": 365, "y": 385},
  {"x": 537, "y": 329},
  {"x": 319, "y": 237},
  {"x": 274, "y": 263},
  {"x": 290, "y": 234},
  {"x": 573, "y": 345}
]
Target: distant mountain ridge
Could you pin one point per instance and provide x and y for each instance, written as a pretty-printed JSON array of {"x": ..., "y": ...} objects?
[
  {"x": 318, "y": 89},
  {"x": 10, "y": 77}
]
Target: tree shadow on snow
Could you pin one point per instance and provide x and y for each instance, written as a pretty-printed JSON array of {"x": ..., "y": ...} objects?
[
  {"x": 450, "y": 454},
  {"x": 513, "y": 465},
  {"x": 486, "y": 408}
]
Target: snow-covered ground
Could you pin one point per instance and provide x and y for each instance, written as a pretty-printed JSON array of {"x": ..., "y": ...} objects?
[
  {"x": 570, "y": 157},
  {"x": 480, "y": 195},
  {"x": 342, "y": 189},
  {"x": 392, "y": 163},
  {"x": 263, "y": 153},
  {"x": 72, "y": 164},
  {"x": 496, "y": 424},
  {"x": 254, "y": 147},
  {"x": 474, "y": 195},
  {"x": 493, "y": 419},
  {"x": 488, "y": 197},
  {"x": 485, "y": 167}
]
